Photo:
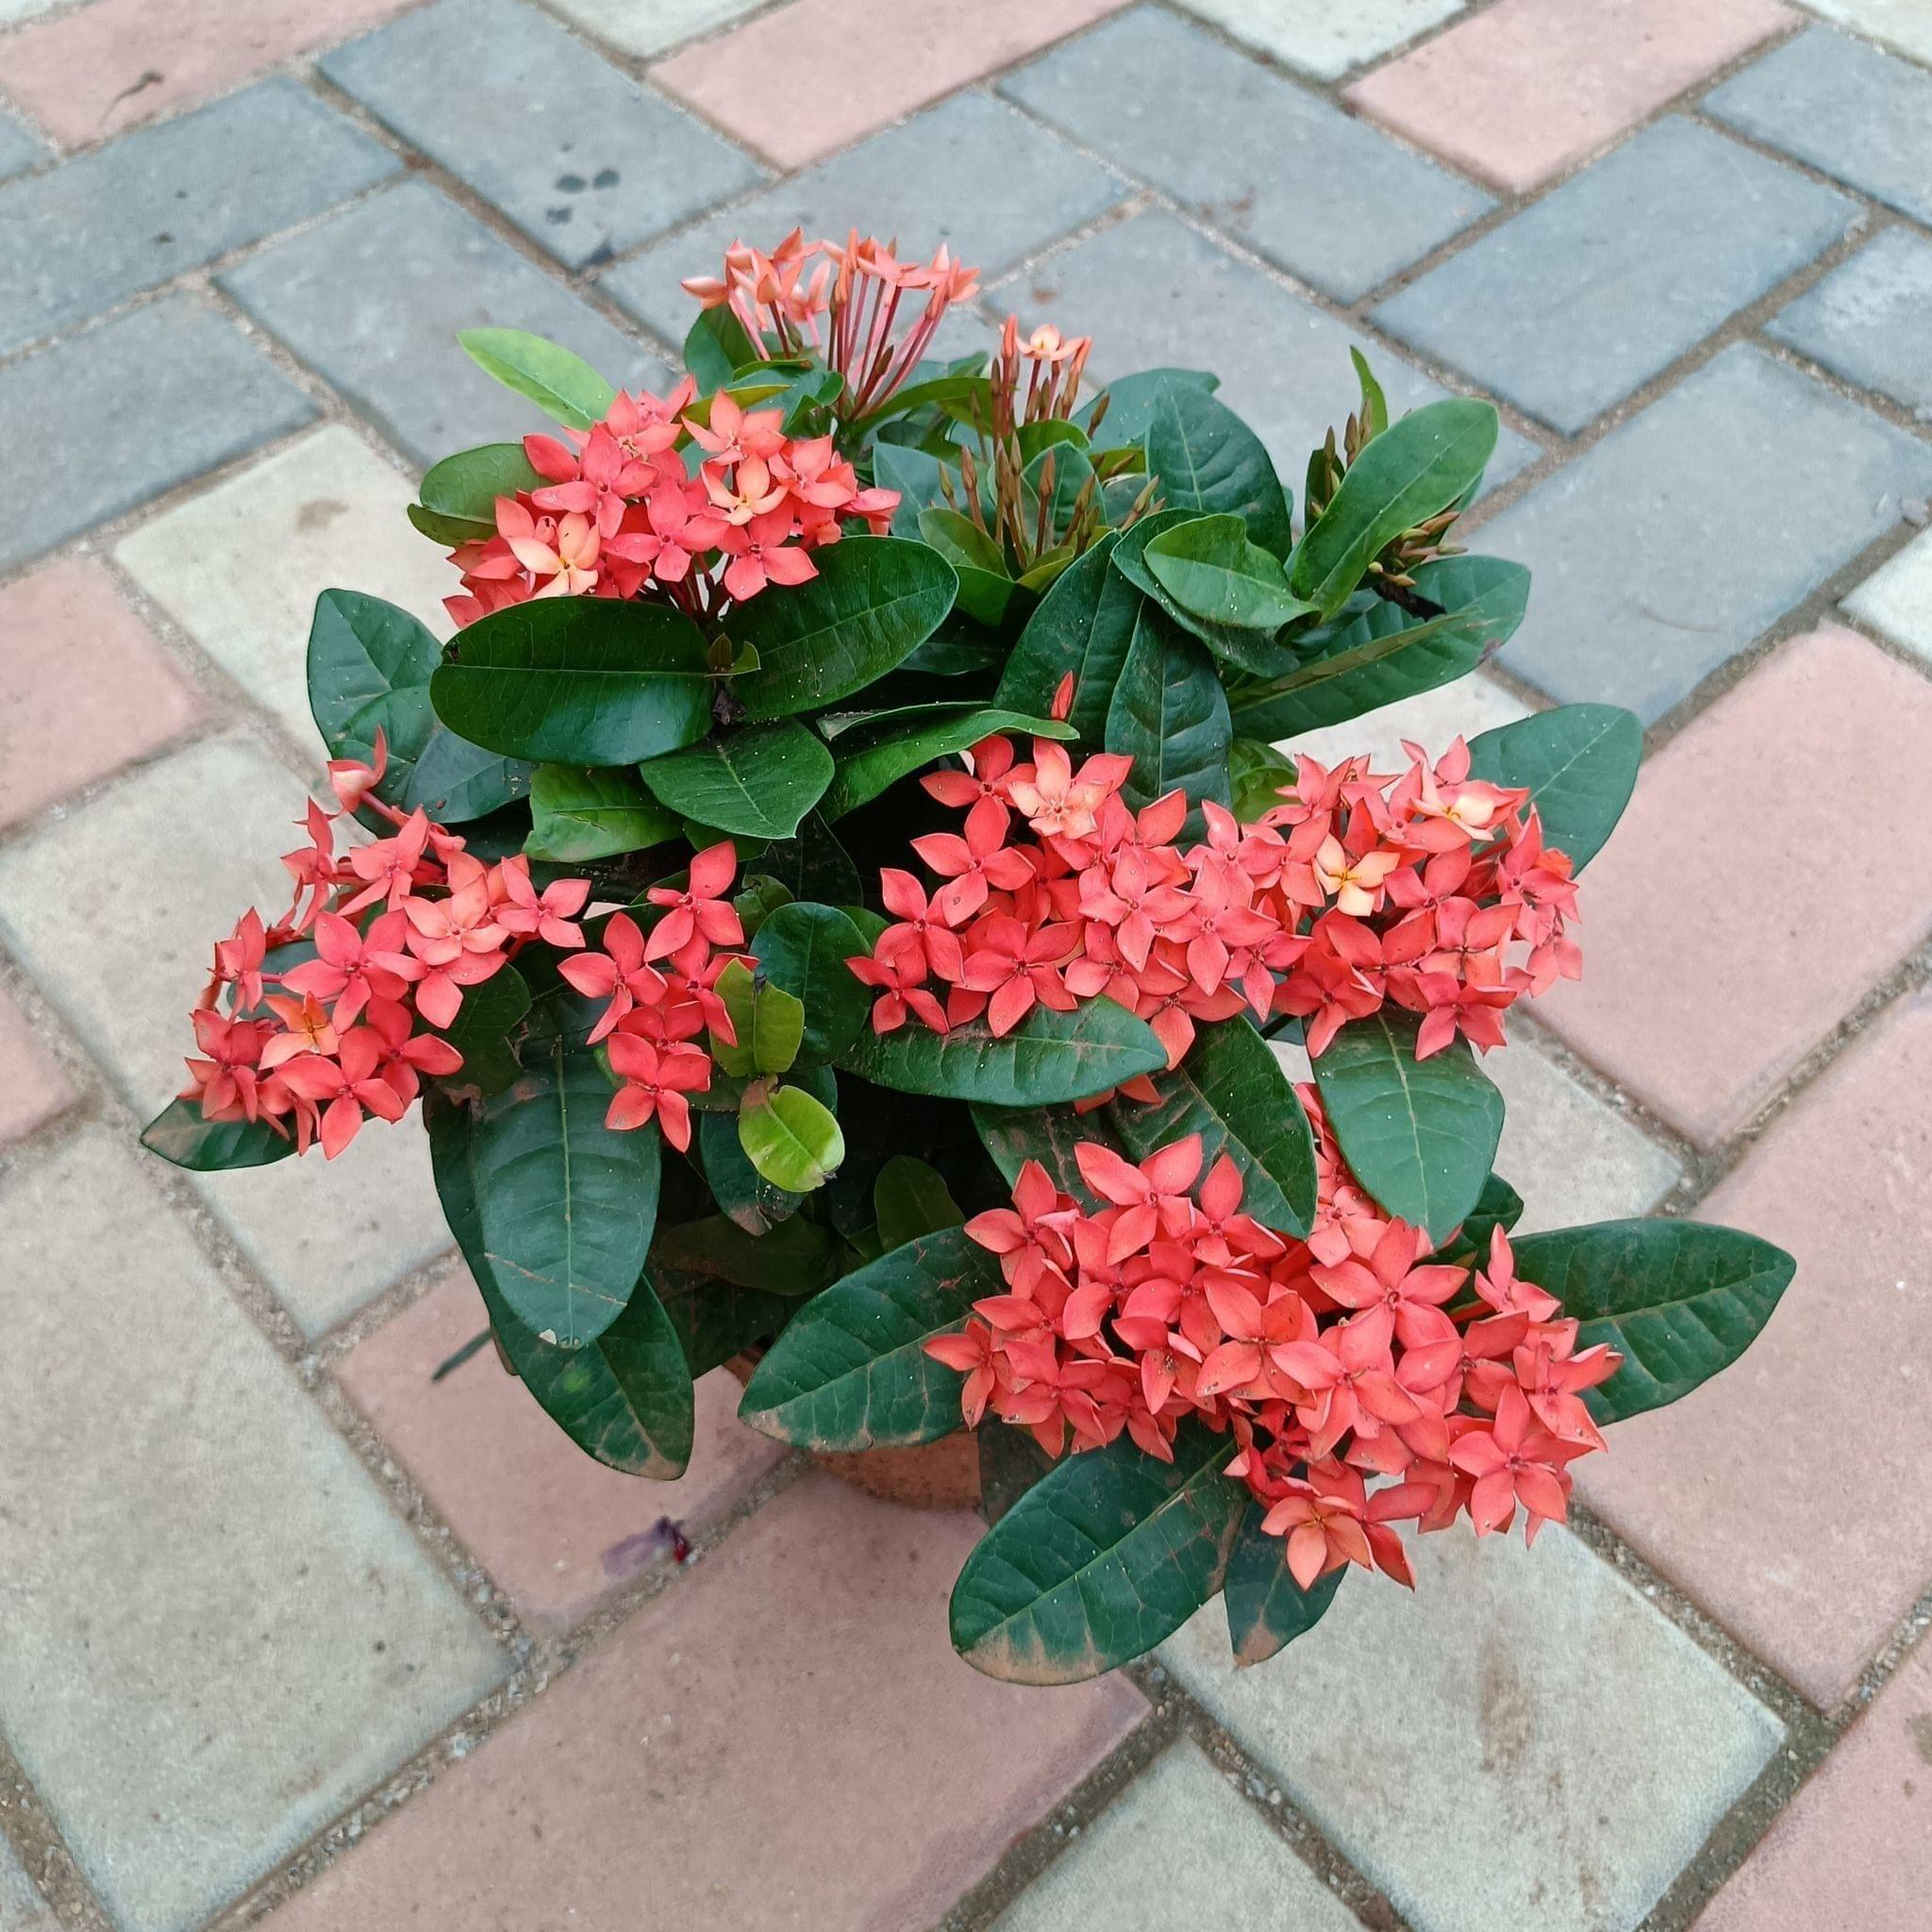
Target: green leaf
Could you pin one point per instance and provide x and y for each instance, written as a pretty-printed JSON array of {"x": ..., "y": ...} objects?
[
  {"x": 850, "y": 1372},
  {"x": 1420, "y": 1136},
  {"x": 716, "y": 347},
  {"x": 815, "y": 865},
  {"x": 744, "y": 1194},
  {"x": 716, "y": 1320},
  {"x": 1266, "y": 1609},
  {"x": 1015, "y": 1135},
  {"x": 874, "y": 766},
  {"x": 874, "y": 602},
  {"x": 459, "y": 495},
  {"x": 179, "y": 1134},
  {"x": 915, "y": 473},
  {"x": 1679, "y": 1299},
  {"x": 563, "y": 386},
  {"x": 1418, "y": 465},
  {"x": 1211, "y": 570},
  {"x": 1255, "y": 652},
  {"x": 792, "y": 1139},
  {"x": 624, "y": 1397},
  {"x": 984, "y": 588},
  {"x": 1498, "y": 1206},
  {"x": 1258, "y": 774},
  {"x": 1232, "y": 1091},
  {"x": 1579, "y": 763},
  {"x": 1085, "y": 624},
  {"x": 797, "y": 1257},
  {"x": 552, "y": 1209},
  {"x": 803, "y": 948},
  {"x": 491, "y": 1012},
  {"x": 1048, "y": 1058},
  {"x": 580, "y": 812},
  {"x": 370, "y": 664},
  {"x": 1170, "y": 715},
  {"x": 1375, "y": 404},
  {"x": 1100, "y": 1561},
  {"x": 756, "y": 782},
  {"x": 768, "y": 1021},
  {"x": 578, "y": 681},
  {"x": 1129, "y": 412},
  {"x": 910, "y": 1199},
  {"x": 1207, "y": 460},
  {"x": 1385, "y": 653}
]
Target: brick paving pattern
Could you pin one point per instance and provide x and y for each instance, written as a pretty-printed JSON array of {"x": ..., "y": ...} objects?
[{"x": 298, "y": 1631}]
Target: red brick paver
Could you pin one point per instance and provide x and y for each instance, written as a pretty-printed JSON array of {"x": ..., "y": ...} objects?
[
  {"x": 810, "y": 77},
  {"x": 559, "y": 1531},
  {"x": 1855, "y": 1851},
  {"x": 1789, "y": 1495},
  {"x": 85, "y": 689},
  {"x": 783, "y": 1741},
  {"x": 1526, "y": 88},
  {"x": 1720, "y": 942},
  {"x": 32, "y": 1087}
]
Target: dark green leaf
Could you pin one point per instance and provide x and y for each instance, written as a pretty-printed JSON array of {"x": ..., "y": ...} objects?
[
  {"x": 179, "y": 1134},
  {"x": 984, "y": 588},
  {"x": 716, "y": 1320},
  {"x": 1085, "y": 625},
  {"x": 1207, "y": 460},
  {"x": 1131, "y": 401},
  {"x": 873, "y": 601},
  {"x": 1498, "y": 1206},
  {"x": 1266, "y": 1609},
  {"x": 491, "y": 1012},
  {"x": 1256, "y": 652},
  {"x": 1258, "y": 773},
  {"x": 870, "y": 770},
  {"x": 1099, "y": 1562},
  {"x": 459, "y": 493},
  {"x": 716, "y": 348},
  {"x": 851, "y": 1372},
  {"x": 578, "y": 681},
  {"x": 738, "y": 1187},
  {"x": 756, "y": 783},
  {"x": 563, "y": 386},
  {"x": 911, "y": 1198},
  {"x": 792, "y": 1139},
  {"x": 815, "y": 865},
  {"x": 1418, "y": 465},
  {"x": 1048, "y": 1058},
  {"x": 1420, "y": 1136},
  {"x": 1170, "y": 715},
  {"x": 580, "y": 812},
  {"x": 1015, "y": 1135},
  {"x": 1679, "y": 1299},
  {"x": 916, "y": 476},
  {"x": 796, "y": 1257},
  {"x": 803, "y": 948},
  {"x": 1579, "y": 763},
  {"x": 1232, "y": 1091}
]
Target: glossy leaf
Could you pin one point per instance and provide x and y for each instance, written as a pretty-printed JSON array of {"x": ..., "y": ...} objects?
[
  {"x": 792, "y": 1139},
  {"x": 916, "y": 474},
  {"x": 850, "y": 1372},
  {"x": 1266, "y": 1609},
  {"x": 797, "y": 1257},
  {"x": 489, "y": 1014},
  {"x": 1048, "y": 1058},
  {"x": 180, "y": 1135},
  {"x": 1209, "y": 461},
  {"x": 887, "y": 753},
  {"x": 1420, "y": 1135},
  {"x": 716, "y": 347},
  {"x": 1100, "y": 1561},
  {"x": 1170, "y": 715},
  {"x": 1050, "y": 1135},
  {"x": 459, "y": 494},
  {"x": 1258, "y": 776},
  {"x": 716, "y": 1320},
  {"x": 1257, "y": 652},
  {"x": 803, "y": 949},
  {"x": 740, "y": 1190},
  {"x": 583, "y": 812},
  {"x": 1232, "y": 1091},
  {"x": 910, "y": 1198},
  {"x": 578, "y": 681},
  {"x": 1386, "y": 652},
  {"x": 756, "y": 782},
  {"x": 1418, "y": 465},
  {"x": 1083, "y": 625},
  {"x": 553, "y": 1210},
  {"x": 1210, "y": 569},
  {"x": 562, "y": 385},
  {"x": 1129, "y": 411},
  {"x": 1579, "y": 764},
  {"x": 984, "y": 588},
  {"x": 768, "y": 1021},
  {"x": 873, "y": 601},
  {"x": 1679, "y": 1299}
]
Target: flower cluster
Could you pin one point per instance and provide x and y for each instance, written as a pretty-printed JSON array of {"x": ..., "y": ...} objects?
[
  {"x": 618, "y": 510},
  {"x": 1429, "y": 889},
  {"x": 400, "y": 928},
  {"x": 660, "y": 989},
  {"x": 1347, "y": 1359}
]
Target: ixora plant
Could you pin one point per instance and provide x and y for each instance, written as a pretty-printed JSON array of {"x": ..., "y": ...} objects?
[{"x": 834, "y": 897}]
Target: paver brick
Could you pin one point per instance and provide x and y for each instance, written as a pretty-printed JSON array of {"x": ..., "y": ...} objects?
[
  {"x": 19, "y": 150},
  {"x": 801, "y": 80},
  {"x": 1764, "y": 941},
  {"x": 644, "y": 28},
  {"x": 584, "y": 160},
  {"x": 32, "y": 1089},
  {"x": 805, "y": 1660},
  {"x": 171, "y": 389},
  {"x": 1904, "y": 23},
  {"x": 1865, "y": 321},
  {"x": 1324, "y": 38},
  {"x": 1855, "y": 1849},
  {"x": 1582, "y": 298},
  {"x": 89, "y": 75},
  {"x": 1155, "y": 294},
  {"x": 1859, "y": 115},
  {"x": 79, "y": 238},
  {"x": 217, "y": 1632},
  {"x": 557, "y": 1531},
  {"x": 329, "y": 511},
  {"x": 1178, "y": 1832},
  {"x": 1431, "y": 719},
  {"x": 1810, "y": 1559},
  {"x": 1524, "y": 1741},
  {"x": 1029, "y": 188},
  {"x": 1526, "y": 88},
  {"x": 327, "y": 1234},
  {"x": 1897, "y": 599},
  {"x": 372, "y": 300},
  {"x": 1330, "y": 199},
  {"x": 21, "y": 1908},
  {"x": 87, "y": 690},
  {"x": 1690, "y": 529}
]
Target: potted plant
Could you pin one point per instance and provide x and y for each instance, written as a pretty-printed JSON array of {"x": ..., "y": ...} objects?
[{"x": 838, "y": 899}]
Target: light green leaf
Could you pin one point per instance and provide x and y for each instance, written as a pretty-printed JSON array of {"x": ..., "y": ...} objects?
[
  {"x": 1212, "y": 572},
  {"x": 562, "y": 385},
  {"x": 791, "y": 1139}
]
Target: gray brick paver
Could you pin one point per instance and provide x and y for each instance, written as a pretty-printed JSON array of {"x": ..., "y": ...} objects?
[{"x": 1867, "y": 320}]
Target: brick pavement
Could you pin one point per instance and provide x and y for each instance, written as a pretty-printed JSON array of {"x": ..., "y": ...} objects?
[{"x": 294, "y": 1630}]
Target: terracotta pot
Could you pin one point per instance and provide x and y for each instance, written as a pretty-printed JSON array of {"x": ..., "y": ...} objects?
[{"x": 935, "y": 1476}]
